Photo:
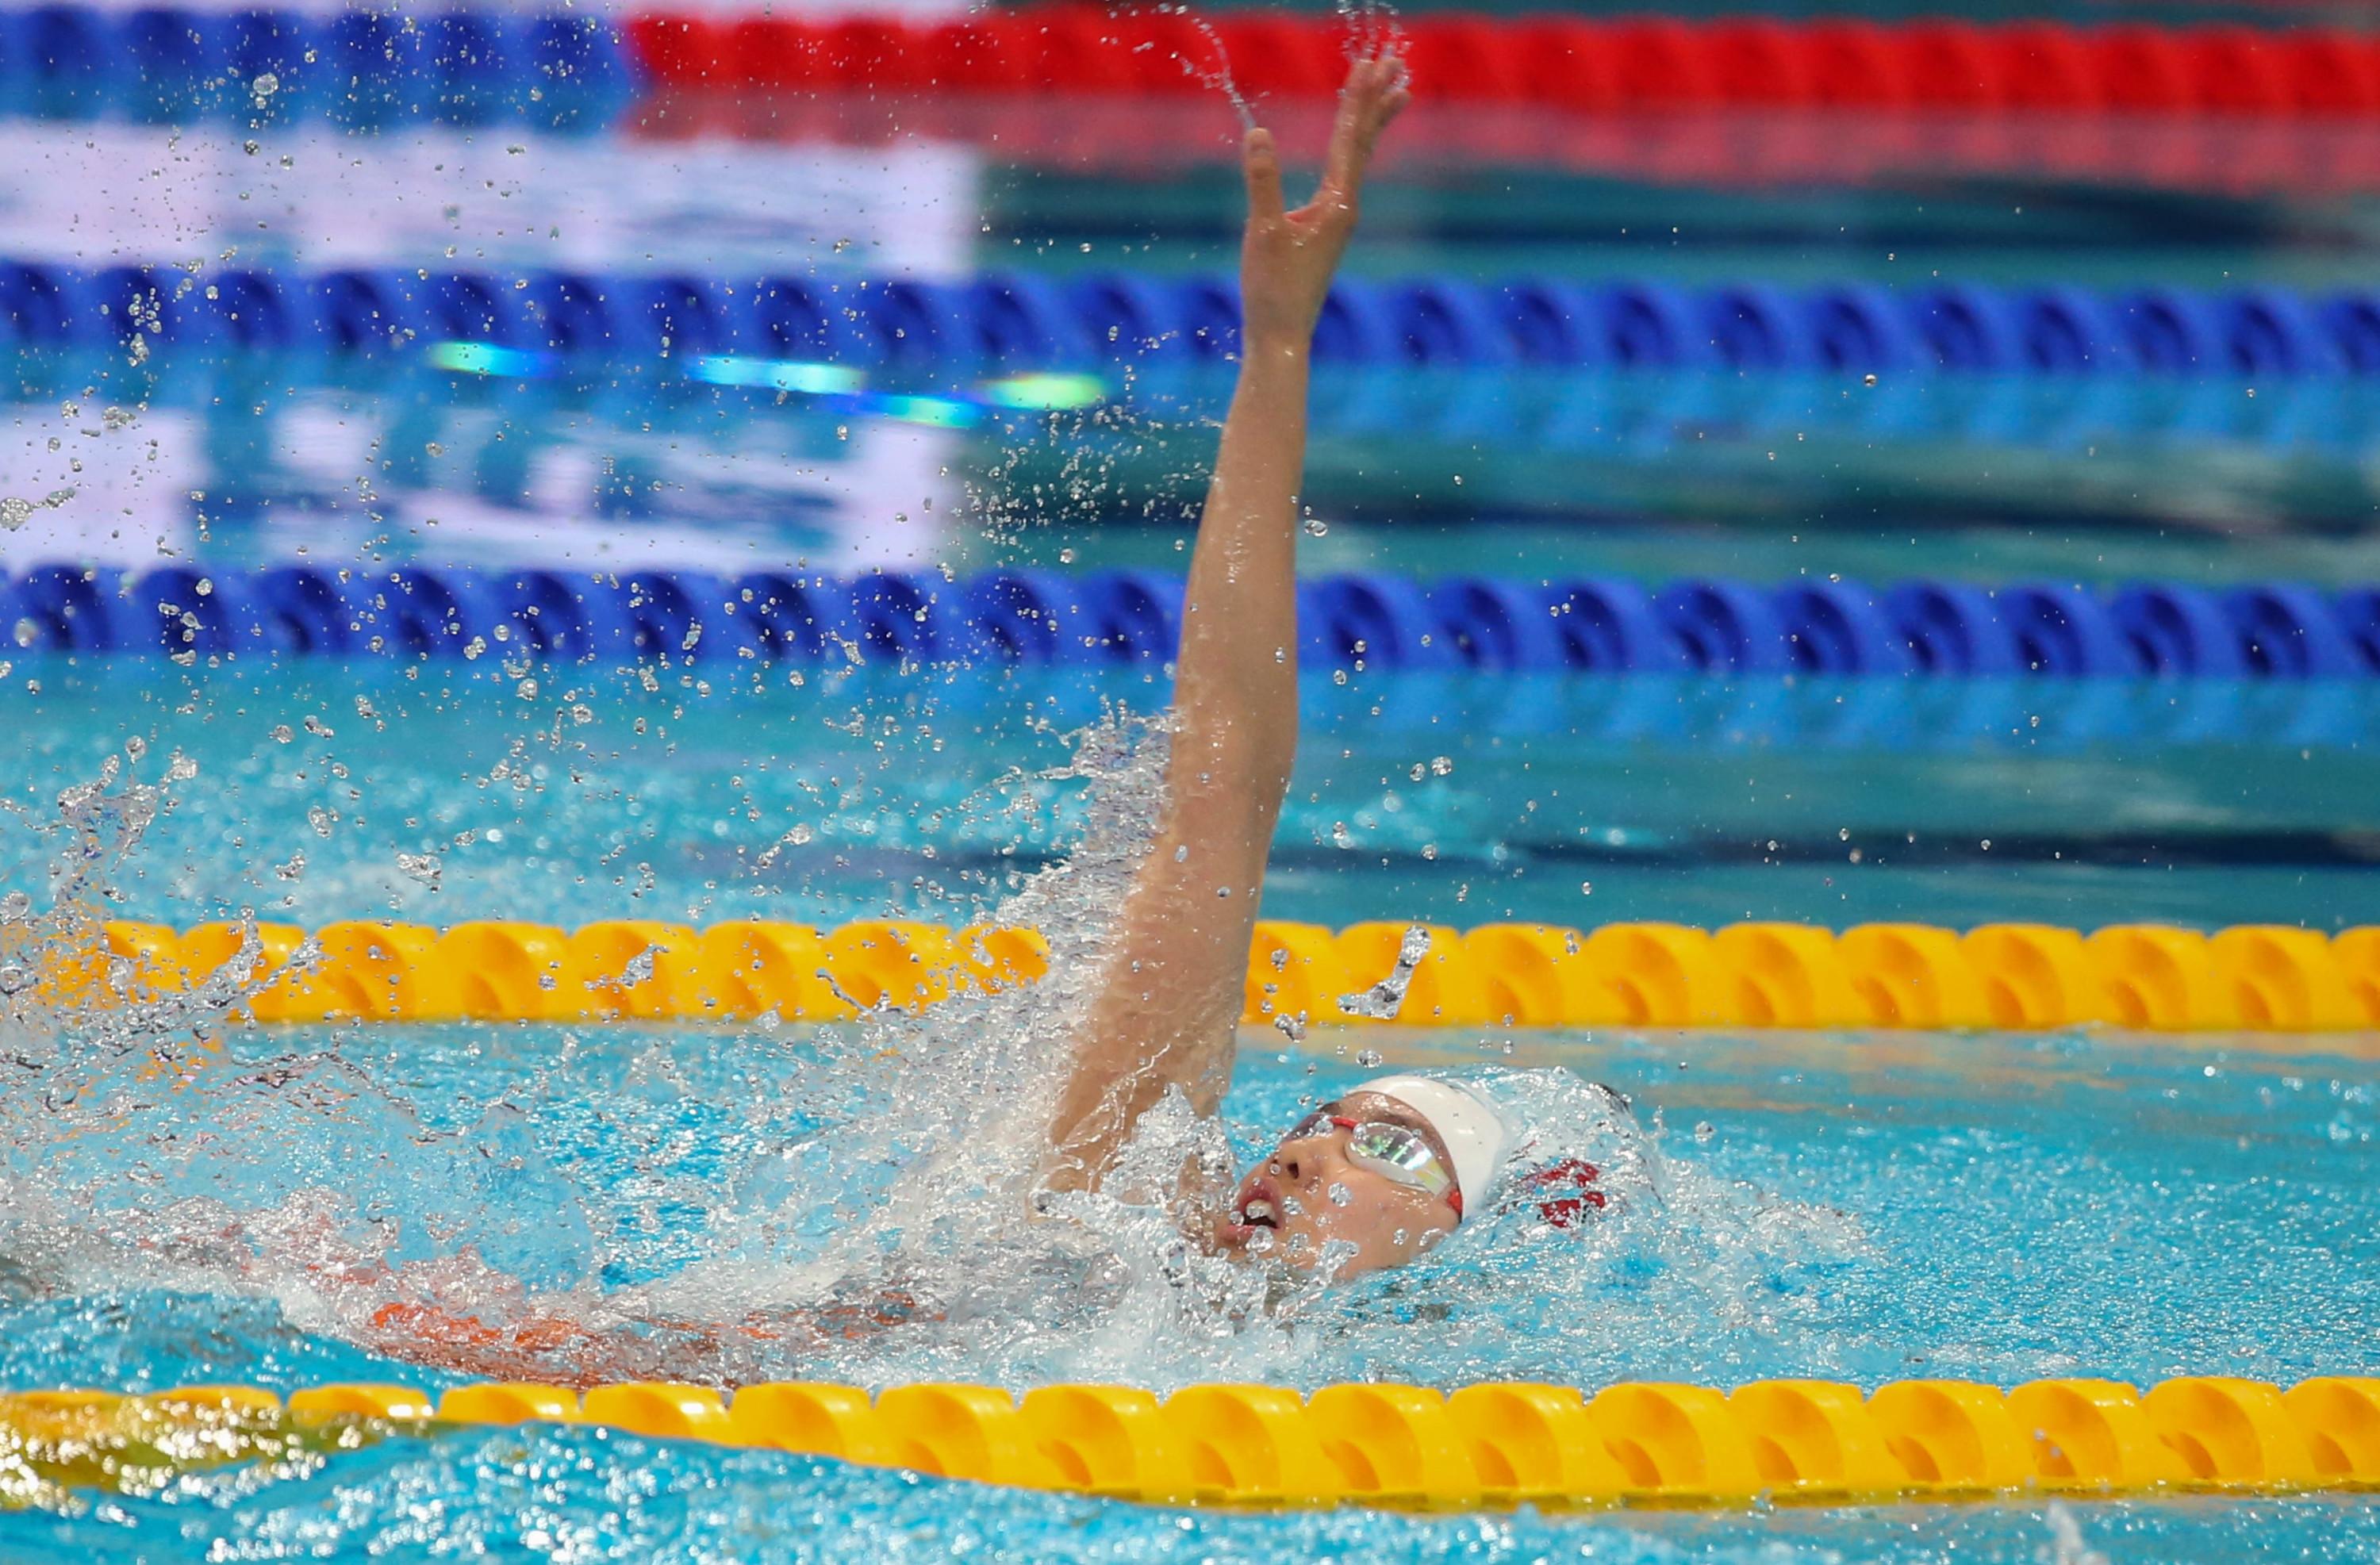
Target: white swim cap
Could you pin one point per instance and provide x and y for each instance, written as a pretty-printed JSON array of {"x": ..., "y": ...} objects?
[{"x": 1465, "y": 1120}]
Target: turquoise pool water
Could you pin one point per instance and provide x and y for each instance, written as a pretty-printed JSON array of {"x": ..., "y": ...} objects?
[
  {"x": 186, "y": 1200},
  {"x": 238, "y": 1206},
  {"x": 1861, "y": 1208},
  {"x": 571, "y": 795}
]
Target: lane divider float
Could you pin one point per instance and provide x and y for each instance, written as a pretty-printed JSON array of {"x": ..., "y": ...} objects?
[
  {"x": 1410, "y": 1448},
  {"x": 810, "y": 333},
  {"x": 1730, "y": 147},
  {"x": 2007, "y": 977},
  {"x": 1839, "y": 100},
  {"x": 1920, "y": 629},
  {"x": 1576, "y": 63},
  {"x": 370, "y": 69}
]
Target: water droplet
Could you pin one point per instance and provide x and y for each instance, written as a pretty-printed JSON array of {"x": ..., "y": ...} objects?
[
  {"x": 1383, "y": 999},
  {"x": 1315, "y": 527},
  {"x": 1440, "y": 765},
  {"x": 1369, "y": 1058},
  {"x": 1704, "y": 1132},
  {"x": 320, "y": 819},
  {"x": 1339, "y": 1195},
  {"x": 422, "y": 866}
]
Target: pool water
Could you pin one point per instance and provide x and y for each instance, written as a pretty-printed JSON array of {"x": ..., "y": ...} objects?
[
  {"x": 189, "y": 1201},
  {"x": 571, "y": 793},
  {"x": 1860, "y": 1209},
  {"x": 186, "y": 1198}
]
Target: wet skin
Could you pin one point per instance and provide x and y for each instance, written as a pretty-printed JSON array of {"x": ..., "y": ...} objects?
[{"x": 1387, "y": 1223}]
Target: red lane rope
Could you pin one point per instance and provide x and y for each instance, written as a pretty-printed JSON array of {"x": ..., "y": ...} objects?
[
  {"x": 1582, "y": 65},
  {"x": 1105, "y": 134}
]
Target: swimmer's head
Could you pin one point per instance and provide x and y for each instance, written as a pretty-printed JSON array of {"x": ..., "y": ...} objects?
[{"x": 1372, "y": 1179}]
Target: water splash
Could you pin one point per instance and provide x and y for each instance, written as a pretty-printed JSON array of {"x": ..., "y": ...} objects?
[
  {"x": 138, "y": 1128},
  {"x": 1218, "y": 77},
  {"x": 1384, "y": 999},
  {"x": 2066, "y": 1544},
  {"x": 74, "y": 1001},
  {"x": 698, "y": 1205},
  {"x": 1373, "y": 27}
]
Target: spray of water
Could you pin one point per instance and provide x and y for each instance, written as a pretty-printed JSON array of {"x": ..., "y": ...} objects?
[
  {"x": 1372, "y": 30},
  {"x": 70, "y": 1007},
  {"x": 858, "y": 1203},
  {"x": 1383, "y": 999},
  {"x": 2066, "y": 1543},
  {"x": 1373, "y": 27},
  {"x": 1217, "y": 77}
]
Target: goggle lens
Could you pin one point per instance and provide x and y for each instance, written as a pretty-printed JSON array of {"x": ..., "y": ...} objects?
[{"x": 1394, "y": 1151}]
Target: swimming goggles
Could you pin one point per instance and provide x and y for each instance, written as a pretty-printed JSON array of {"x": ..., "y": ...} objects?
[{"x": 1391, "y": 1150}]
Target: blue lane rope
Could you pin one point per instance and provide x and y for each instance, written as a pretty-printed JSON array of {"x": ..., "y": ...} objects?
[
  {"x": 2267, "y": 631},
  {"x": 801, "y": 333},
  {"x": 361, "y": 69}
]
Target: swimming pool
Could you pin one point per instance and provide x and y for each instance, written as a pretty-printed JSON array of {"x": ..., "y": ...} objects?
[
  {"x": 1568, "y": 800},
  {"x": 705, "y": 484},
  {"x": 1858, "y": 1208}
]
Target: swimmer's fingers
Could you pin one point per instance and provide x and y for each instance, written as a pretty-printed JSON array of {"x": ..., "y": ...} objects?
[
  {"x": 1262, "y": 163},
  {"x": 1375, "y": 92}
]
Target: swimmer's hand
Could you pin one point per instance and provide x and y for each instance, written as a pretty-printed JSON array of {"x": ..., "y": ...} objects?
[{"x": 1287, "y": 258}]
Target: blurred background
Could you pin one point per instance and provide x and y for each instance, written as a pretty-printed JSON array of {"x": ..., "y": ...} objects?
[{"x": 1843, "y": 462}]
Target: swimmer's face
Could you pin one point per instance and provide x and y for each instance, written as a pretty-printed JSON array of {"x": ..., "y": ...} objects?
[{"x": 1309, "y": 1193}]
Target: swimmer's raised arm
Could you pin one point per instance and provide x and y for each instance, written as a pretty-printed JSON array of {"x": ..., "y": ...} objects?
[{"x": 1173, "y": 999}]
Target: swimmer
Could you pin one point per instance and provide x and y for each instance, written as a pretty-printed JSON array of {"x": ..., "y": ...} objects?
[
  {"x": 1385, "y": 1173},
  {"x": 1373, "y": 1180}
]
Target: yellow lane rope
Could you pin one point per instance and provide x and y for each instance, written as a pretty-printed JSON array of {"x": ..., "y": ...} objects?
[
  {"x": 1407, "y": 1447},
  {"x": 2019, "y": 976}
]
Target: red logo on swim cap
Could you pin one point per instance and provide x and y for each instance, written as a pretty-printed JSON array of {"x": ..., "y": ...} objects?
[{"x": 1575, "y": 1178}]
